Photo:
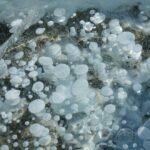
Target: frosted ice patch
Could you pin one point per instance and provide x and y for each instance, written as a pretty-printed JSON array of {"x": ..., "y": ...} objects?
[
  {"x": 33, "y": 74},
  {"x": 117, "y": 30},
  {"x": 12, "y": 97},
  {"x": 64, "y": 90},
  {"x": 54, "y": 50},
  {"x": 19, "y": 55},
  {"x": 93, "y": 46},
  {"x": 4, "y": 147},
  {"x": 37, "y": 87},
  {"x": 138, "y": 48},
  {"x": 40, "y": 31},
  {"x": 125, "y": 147},
  {"x": 73, "y": 31},
  {"x": 16, "y": 22},
  {"x": 32, "y": 45},
  {"x": 68, "y": 136},
  {"x": 59, "y": 12},
  {"x": 13, "y": 71},
  {"x": 72, "y": 51},
  {"x": 137, "y": 87},
  {"x": 36, "y": 106},
  {"x": 45, "y": 140},
  {"x": 81, "y": 69},
  {"x": 58, "y": 97},
  {"x": 126, "y": 38},
  {"x": 45, "y": 61},
  {"x": 25, "y": 82},
  {"x": 16, "y": 80},
  {"x": 80, "y": 87},
  {"x": 46, "y": 116},
  {"x": 113, "y": 23},
  {"x": 88, "y": 26},
  {"x": 112, "y": 37},
  {"x": 38, "y": 130},
  {"x": 106, "y": 91},
  {"x": 110, "y": 108},
  {"x": 121, "y": 94},
  {"x": 50, "y": 23},
  {"x": 62, "y": 71},
  {"x": 97, "y": 18},
  {"x": 68, "y": 116}
]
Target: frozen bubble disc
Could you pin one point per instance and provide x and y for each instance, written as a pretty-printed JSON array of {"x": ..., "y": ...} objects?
[
  {"x": 12, "y": 97},
  {"x": 38, "y": 130},
  {"x": 45, "y": 140},
  {"x": 57, "y": 97},
  {"x": 80, "y": 87},
  {"x": 40, "y": 31},
  {"x": 81, "y": 69},
  {"x": 36, "y": 106},
  {"x": 110, "y": 108},
  {"x": 126, "y": 38},
  {"x": 37, "y": 87},
  {"x": 54, "y": 50},
  {"x": 106, "y": 91},
  {"x": 62, "y": 71},
  {"x": 59, "y": 12},
  {"x": 97, "y": 18},
  {"x": 45, "y": 61}
]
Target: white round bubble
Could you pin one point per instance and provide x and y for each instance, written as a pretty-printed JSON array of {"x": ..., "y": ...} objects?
[
  {"x": 16, "y": 80},
  {"x": 110, "y": 108},
  {"x": 36, "y": 106},
  {"x": 97, "y": 18},
  {"x": 80, "y": 87},
  {"x": 113, "y": 23},
  {"x": 68, "y": 136},
  {"x": 16, "y": 23},
  {"x": 45, "y": 61},
  {"x": 54, "y": 50},
  {"x": 72, "y": 51},
  {"x": 45, "y": 140},
  {"x": 4, "y": 147},
  {"x": 40, "y": 31},
  {"x": 58, "y": 12},
  {"x": 62, "y": 71},
  {"x": 57, "y": 97},
  {"x": 81, "y": 69},
  {"x": 12, "y": 97},
  {"x": 106, "y": 91},
  {"x": 88, "y": 26},
  {"x": 37, "y": 87},
  {"x": 38, "y": 130},
  {"x": 126, "y": 38}
]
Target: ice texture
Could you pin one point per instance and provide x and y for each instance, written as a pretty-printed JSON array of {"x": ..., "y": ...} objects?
[
  {"x": 16, "y": 5},
  {"x": 79, "y": 91}
]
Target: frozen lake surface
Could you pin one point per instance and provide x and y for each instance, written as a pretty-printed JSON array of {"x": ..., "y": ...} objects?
[{"x": 74, "y": 75}]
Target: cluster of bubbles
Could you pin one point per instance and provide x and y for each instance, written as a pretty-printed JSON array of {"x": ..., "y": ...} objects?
[{"x": 55, "y": 88}]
